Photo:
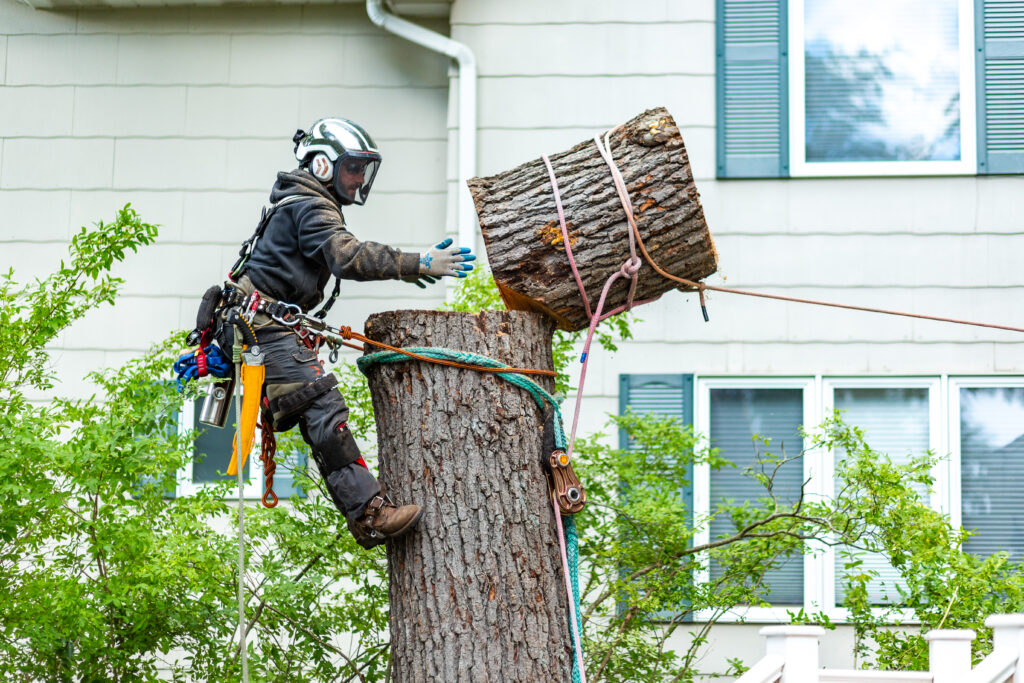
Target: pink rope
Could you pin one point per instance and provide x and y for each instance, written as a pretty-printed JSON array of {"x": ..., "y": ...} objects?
[
  {"x": 628, "y": 269},
  {"x": 565, "y": 235},
  {"x": 568, "y": 592}
]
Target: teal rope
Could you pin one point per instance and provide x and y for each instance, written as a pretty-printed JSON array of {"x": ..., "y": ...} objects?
[
  {"x": 541, "y": 397},
  {"x": 572, "y": 553},
  {"x": 522, "y": 381}
]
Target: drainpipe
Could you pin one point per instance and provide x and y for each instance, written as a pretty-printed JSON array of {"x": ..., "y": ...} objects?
[{"x": 467, "y": 104}]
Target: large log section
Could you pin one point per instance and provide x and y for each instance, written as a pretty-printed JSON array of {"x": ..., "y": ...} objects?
[
  {"x": 477, "y": 592},
  {"x": 524, "y": 242}
]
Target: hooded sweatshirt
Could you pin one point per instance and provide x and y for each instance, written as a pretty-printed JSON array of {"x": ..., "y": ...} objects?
[{"x": 306, "y": 242}]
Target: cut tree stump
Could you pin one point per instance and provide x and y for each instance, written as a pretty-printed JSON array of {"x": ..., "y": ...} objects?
[
  {"x": 476, "y": 591},
  {"x": 524, "y": 242}
]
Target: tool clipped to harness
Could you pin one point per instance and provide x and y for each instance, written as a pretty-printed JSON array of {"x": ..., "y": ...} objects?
[
  {"x": 253, "y": 374},
  {"x": 562, "y": 479}
]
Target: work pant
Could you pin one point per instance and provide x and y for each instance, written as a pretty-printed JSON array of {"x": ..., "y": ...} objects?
[{"x": 290, "y": 365}]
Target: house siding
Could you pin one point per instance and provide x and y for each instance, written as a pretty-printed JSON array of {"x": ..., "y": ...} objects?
[
  {"x": 553, "y": 74},
  {"x": 188, "y": 114}
]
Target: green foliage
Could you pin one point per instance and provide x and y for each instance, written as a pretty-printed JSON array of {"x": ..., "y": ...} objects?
[
  {"x": 103, "y": 577},
  {"x": 940, "y": 585}
]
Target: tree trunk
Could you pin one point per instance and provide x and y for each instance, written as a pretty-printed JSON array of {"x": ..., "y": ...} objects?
[
  {"x": 524, "y": 241},
  {"x": 476, "y": 592}
]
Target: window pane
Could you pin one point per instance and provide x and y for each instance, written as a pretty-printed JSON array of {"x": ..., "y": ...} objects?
[
  {"x": 895, "y": 422},
  {"x": 736, "y": 415},
  {"x": 991, "y": 469},
  {"x": 882, "y": 80},
  {"x": 213, "y": 449}
]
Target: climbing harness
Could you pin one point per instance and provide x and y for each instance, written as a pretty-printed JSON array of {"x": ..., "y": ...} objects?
[{"x": 248, "y": 246}]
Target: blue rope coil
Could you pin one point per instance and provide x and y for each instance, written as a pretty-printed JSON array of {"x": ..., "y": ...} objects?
[
  {"x": 187, "y": 368},
  {"x": 541, "y": 396}
]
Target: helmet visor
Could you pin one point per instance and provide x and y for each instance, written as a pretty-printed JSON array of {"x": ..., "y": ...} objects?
[{"x": 354, "y": 178}]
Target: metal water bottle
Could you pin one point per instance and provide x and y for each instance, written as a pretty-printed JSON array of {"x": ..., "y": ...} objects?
[{"x": 217, "y": 403}]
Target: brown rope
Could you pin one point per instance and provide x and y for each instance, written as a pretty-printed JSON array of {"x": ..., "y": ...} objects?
[
  {"x": 347, "y": 333},
  {"x": 267, "y": 452},
  {"x": 700, "y": 287}
]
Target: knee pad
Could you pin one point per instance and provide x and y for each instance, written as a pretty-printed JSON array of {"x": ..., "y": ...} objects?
[
  {"x": 288, "y": 401},
  {"x": 337, "y": 451}
]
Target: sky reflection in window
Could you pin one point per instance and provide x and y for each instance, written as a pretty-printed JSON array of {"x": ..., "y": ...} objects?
[{"x": 882, "y": 80}]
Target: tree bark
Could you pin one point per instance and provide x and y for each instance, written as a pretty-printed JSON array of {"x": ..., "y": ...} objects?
[
  {"x": 524, "y": 242},
  {"x": 476, "y": 592}
]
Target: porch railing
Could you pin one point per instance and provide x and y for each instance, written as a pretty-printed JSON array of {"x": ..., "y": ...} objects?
[{"x": 791, "y": 656}]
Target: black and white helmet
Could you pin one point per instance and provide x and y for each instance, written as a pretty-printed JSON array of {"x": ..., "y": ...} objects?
[{"x": 332, "y": 145}]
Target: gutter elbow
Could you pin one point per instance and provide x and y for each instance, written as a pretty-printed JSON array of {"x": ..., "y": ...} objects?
[{"x": 375, "y": 12}]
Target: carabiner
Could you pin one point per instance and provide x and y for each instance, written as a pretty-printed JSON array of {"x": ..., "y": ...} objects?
[{"x": 291, "y": 317}]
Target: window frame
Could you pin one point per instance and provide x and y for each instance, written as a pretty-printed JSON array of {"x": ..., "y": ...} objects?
[
  {"x": 799, "y": 167},
  {"x": 252, "y": 489},
  {"x": 953, "y": 416},
  {"x": 936, "y": 442},
  {"x": 702, "y": 486}
]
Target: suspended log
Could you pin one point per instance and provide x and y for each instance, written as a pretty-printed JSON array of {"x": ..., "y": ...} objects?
[
  {"x": 524, "y": 241},
  {"x": 476, "y": 592}
]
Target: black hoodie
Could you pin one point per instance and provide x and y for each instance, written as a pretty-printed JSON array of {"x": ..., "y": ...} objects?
[{"x": 306, "y": 242}]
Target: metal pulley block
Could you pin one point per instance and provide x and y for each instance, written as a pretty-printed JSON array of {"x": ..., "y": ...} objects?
[{"x": 565, "y": 484}]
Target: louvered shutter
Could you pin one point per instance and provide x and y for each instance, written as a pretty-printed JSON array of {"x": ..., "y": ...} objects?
[
  {"x": 735, "y": 416},
  {"x": 670, "y": 395},
  {"x": 999, "y": 28},
  {"x": 752, "y": 105}
]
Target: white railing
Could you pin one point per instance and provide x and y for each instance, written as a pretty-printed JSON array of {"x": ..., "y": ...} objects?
[{"x": 792, "y": 657}]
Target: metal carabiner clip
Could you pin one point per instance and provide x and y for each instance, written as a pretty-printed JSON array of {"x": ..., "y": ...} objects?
[{"x": 291, "y": 316}]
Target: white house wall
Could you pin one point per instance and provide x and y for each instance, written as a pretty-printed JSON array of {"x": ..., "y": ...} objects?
[
  {"x": 554, "y": 73},
  {"x": 188, "y": 113}
]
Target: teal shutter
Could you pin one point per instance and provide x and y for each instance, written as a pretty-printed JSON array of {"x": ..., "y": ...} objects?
[
  {"x": 670, "y": 395},
  {"x": 999, "y": 30},
  {"x": 751, "y": 62}
]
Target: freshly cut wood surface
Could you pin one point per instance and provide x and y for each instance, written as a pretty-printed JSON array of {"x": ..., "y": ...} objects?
[
  {"x": 524, "y": 242},
  {"x": 476, "y": 591}
]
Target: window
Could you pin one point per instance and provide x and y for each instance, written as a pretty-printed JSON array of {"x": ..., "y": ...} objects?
[
  {"x": 212, "y": 454},
  {"x": 978, "y": 422},
  {"x": 899, "y": 419},
  {"x": 988, "y": 423},
  {"x": 882, "y": 87},
  {"x": 730, "y": 412}
]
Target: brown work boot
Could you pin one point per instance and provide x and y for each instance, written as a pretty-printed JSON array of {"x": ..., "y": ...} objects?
[{"x": 382, "y": 520}]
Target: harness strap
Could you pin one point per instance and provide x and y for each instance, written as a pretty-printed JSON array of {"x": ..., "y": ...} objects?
[
  {"x": 322, "y": 313},
  {"x": 294, "y": 401},
  {"x": 249, "y": 245}
]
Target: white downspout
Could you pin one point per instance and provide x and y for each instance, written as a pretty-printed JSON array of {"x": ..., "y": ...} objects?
[{"x": 467, "y": 104}]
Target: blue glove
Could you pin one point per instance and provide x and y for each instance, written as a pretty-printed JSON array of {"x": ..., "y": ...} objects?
[
  {"x": 187, "y": 367},
  {"x": 445, "y": 260}
]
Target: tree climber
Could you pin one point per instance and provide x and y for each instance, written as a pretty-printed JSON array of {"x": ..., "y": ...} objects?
[{"x": 290, "y": 260}]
